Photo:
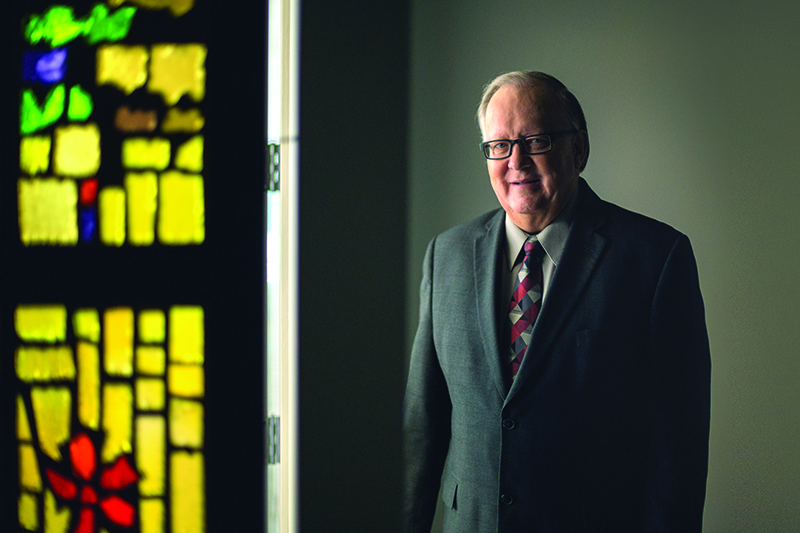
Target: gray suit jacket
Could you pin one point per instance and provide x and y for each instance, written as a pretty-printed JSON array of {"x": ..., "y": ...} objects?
[{"x": 605, "y": 427}]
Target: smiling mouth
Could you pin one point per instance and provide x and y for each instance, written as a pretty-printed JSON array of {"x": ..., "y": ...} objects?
[{"x": 527, "y": 181}]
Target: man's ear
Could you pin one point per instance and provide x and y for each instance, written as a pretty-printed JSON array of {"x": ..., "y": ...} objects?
[{"x": 580, "y": 149}]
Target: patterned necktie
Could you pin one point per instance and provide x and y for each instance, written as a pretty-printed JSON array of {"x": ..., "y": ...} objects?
[{"x": 526, "y": 300}]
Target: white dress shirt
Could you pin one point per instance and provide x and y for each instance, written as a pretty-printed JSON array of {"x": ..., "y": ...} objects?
[{"x": 552, "y": 238}]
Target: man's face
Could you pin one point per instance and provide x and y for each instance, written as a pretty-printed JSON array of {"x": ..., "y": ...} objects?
[{"x": 533, "y": 189}]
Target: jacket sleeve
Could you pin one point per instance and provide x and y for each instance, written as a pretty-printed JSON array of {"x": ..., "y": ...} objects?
[
  {"x": 426, "y": 416},
  {"x": 680, "y": 409}
]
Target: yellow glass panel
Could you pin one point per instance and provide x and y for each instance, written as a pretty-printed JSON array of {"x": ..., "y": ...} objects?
[
  {"x": 178, "y": 7},
  {"x": 186, "y": 380},
  {"x": 77, "y": 150},
  {"x": 34, "y": 155},
  {"x": 141, "y": 190},
  {"x": 122, "y": 66},
  {"x": 178, "y": 69},
  {"x": 35, "y": 364},
  {"x": 41, "y": 323},
  {"x": 55, "y": 520},
  {"x": 29, "y": 512},
  {"x": 117, "y": 420},
  {"x": 48, "y": 211},
  {"x": 181, "y": 218},
  {"x": 118, "y": 345},
  {"x": 111, "y": 208},
  {"x": 151, "y": 458},
  {"x": 187, "y": 490},
  {"x": 150, "y": 394},
  {"x": 88, "y": 385},
  {"x": 179, "y": 121},
  {"x": 141, "y": 152},
  {"x": 51, "y": 411},
  {"x": 190, "y": 155},
  {"x": 152, "y": 515},
  {"x": 86, "y": 324},
  {"x": 23, "y": 424},
  {"x": 150, "y": 360},
  {"x": 186, "y": 423},
  {"x": 186, "y": 334},
  {"x": 29, "y": 475},
  {"x": 151, "y": 325},
  {"x": 138, "y": 120}
]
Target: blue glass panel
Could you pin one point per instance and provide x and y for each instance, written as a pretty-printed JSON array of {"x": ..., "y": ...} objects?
[
  {"x": 46, "y": 67},
  {"x": 88, "y": 221}
]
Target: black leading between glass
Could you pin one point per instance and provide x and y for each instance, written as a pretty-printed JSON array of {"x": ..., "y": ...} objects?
[{"x": 531, "y": 144}]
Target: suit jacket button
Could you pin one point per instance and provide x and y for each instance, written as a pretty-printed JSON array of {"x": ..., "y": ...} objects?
[
  {"x": 508, "y": 423},
  {"x": 506, "y": 499}
]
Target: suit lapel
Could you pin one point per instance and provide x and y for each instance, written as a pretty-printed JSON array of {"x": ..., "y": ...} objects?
[
  {"x": 487, "y": 260},
  {"x": 581, "y": 253}
]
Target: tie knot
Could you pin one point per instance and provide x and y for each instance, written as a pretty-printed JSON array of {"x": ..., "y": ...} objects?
[{"x": 532, "y": 248}]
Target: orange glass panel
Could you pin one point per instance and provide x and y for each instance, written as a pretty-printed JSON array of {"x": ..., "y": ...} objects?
[
  {"x": 122, "y": 66},
  {"x": 187, "y": 494},
  {"x": 151, "y": 326},
  {"x": 186, "y": 334},
  {"x": 51, "y": 411},
  {"x": 132, "y": 121},
  {"x": 141, "y": 190},
  {"x": 41, "y": 323},
  {"x": 29, "y": 476},
  {"x": 181, "y": 217},
  {"x": 186, "y": 380},
  {"x": 48, "y": 211},
  {"x": 88, "y": 385},
  {"x": 186, "y": 423},
  {"x": 178, "y": 69},
  {"x": 76, "y": 150},
  {"x": 28, "y": 511},
  {"x": 35, "y": 364},
  {"x": 190, "y": 155},
  {"x": 34, "y": 155},
  {"x": 112, "y": 215},
  {"x": 23, "y": 424},
  {"x": 56, "y": 520},
  {"x": 86, "y": 324},
  {"x": 117, "y": 420},
  {"x": 118, "y": 345},
  {"x": 151, "y": 458},
  {"x": 150, "y": 360},
  {"x": 151, "y": 511},
  {"x": 144, "y": 153},
  {"x": 150, "y": 394},
  {"x": 179, "y": 121}
]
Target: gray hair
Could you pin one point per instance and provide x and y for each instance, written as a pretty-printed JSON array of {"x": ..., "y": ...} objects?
[{"x": 533, "y": 80}]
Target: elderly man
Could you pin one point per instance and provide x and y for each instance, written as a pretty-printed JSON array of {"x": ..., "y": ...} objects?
[{"x": 561, "y": 368}]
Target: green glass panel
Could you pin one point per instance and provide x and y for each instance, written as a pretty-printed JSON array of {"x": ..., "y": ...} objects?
[
  {"x": 80, "y": 104},
  {"x": 109, "y": 28},
  {"x": 58, "y": 25},
  {"x": 32, "y": 117}
]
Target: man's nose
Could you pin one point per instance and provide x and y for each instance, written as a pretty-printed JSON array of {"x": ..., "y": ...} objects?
[{"x": 518, "y": 158}]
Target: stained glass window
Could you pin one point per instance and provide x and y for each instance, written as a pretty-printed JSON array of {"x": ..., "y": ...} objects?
[
  {"x": 96, "y": 420},
  {"x": 110, "y": 411},
  {"x": 71, "y": 189}
]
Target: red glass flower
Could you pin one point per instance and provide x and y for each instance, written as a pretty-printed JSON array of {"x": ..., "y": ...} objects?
[{"x": 83, "y": 459}]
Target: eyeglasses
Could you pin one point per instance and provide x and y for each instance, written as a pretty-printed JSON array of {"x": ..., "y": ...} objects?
[{"x": 531, "y": 145}]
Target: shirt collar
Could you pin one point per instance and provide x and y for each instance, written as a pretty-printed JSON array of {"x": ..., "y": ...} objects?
[{"x": 552, "y": 238}]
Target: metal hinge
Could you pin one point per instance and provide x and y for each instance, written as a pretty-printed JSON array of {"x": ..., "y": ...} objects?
[
  {"x": 273, "y": 167},
  {"x": 273, "y": 440}
]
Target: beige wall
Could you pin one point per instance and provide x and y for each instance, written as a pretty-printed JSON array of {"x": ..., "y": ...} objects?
[{"x": 693, "y": 118}]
